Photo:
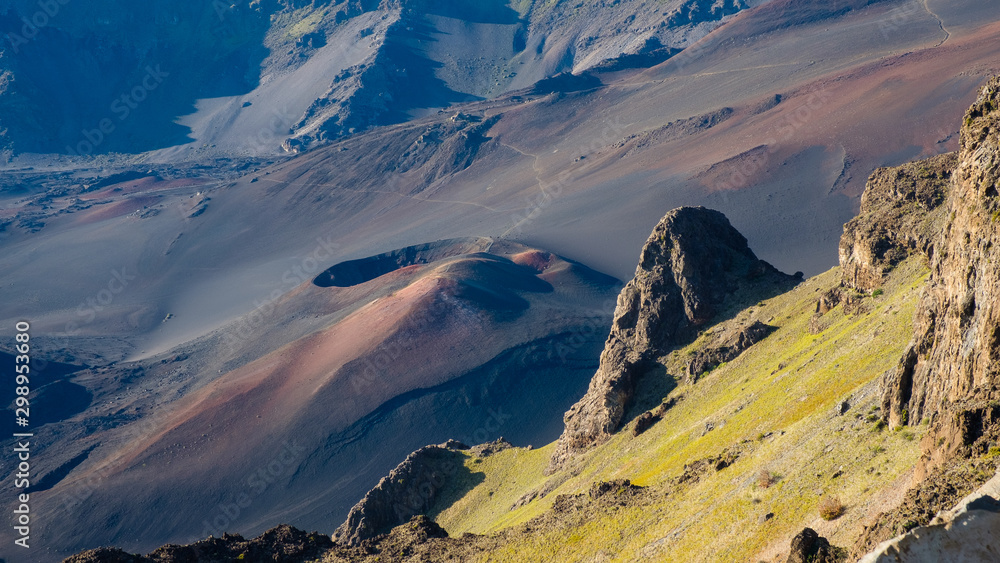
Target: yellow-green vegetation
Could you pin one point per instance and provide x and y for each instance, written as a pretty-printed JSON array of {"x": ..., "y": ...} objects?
[
  {"x": 306, "y": 20},
  {"x": 778, "y": 404},
  {"x": 508, "y": 475},
  {"x": 523, "y": 7}
]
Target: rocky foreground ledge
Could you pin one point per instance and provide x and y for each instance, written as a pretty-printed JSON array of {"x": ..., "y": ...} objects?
[
  {"x": 968, "y": 532},
  {"x": 283, "y": 544}
]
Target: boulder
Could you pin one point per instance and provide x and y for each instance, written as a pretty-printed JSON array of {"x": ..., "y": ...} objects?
[{"x": 810, "y": 547}]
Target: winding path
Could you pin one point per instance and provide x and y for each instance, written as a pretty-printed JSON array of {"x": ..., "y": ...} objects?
[{"x": 947, "y": 34}]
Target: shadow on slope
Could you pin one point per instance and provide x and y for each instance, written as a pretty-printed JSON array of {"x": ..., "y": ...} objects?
[
  {"x": 351, "y": 380},
  {"x": 656, "y": 382},
  {"x": 356, "y": 272},
  {"x": 518, "y": 395},
  {"x": 100, "y": 79},
  {"x": 53, "y": 397},
  {"x": 496, "y": 12}
]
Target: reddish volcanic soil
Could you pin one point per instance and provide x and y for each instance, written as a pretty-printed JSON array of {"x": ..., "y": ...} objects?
[{"x": 421, "y": 330}]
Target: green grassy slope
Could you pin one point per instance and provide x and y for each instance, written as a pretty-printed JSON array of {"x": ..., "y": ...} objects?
[{"x": 775, "y": 406}]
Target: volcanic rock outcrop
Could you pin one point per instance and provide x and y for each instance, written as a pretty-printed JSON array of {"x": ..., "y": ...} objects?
[
  {"x": 810, "y": 547},
  {"x": 727, "y": 347},
  {"x": 951, "y": 371},
  {"x": 901, "y": 213},
  {"x": 282, "y": 544},
  {"x": 693, "y": 265},
  {"x": 409, "y": 490}
]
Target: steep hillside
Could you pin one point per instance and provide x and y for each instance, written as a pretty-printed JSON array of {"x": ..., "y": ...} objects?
[
  {"x": 240, "y": 78},
  {"x": 90, "y": 77},
  {"x": 733, "y": 465}
]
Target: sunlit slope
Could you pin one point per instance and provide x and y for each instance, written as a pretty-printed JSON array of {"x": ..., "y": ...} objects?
[{"x": 776, "y": 408}]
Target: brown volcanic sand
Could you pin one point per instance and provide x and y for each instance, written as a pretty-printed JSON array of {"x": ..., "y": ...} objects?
[{"x": 418, "y": 330}]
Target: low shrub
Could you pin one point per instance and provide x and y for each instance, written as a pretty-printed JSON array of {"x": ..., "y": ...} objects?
[
  {"x": 765, "y": 479},
  {"x": 830, "y": 508}
]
